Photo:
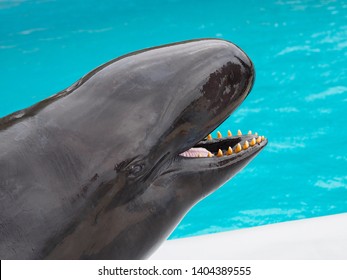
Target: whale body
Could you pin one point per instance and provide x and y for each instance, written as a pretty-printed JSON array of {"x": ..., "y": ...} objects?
[{"x": 106, "y": 168}]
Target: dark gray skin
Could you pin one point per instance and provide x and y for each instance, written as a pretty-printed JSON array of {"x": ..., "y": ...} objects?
[{"x": 94, "y": 172}]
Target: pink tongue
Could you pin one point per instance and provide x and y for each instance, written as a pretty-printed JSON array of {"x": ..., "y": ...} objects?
[{"x": 195, "y": 152}]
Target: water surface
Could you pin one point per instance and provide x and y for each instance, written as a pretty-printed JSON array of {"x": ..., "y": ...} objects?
[{"x": 299, "y": 100}]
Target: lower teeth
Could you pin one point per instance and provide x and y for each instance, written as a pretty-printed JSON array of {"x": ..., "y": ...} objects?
[{"x": 202, "y": 152}]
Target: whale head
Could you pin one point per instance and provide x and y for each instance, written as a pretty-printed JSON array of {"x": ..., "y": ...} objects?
[
  {"x": 139, "y": 125},
  {"x": 148, "y": 115}
]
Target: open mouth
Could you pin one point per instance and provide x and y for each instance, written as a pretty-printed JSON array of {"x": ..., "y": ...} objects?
[{"x": 230, "y": 146}]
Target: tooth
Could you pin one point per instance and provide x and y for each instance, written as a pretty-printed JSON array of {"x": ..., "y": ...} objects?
[
  {"x": 229, "y": 133},
  {"x": 252, "y": 143},
  {"x": 220, "y": 153},
  {"x": 249, "y": 132},
  {"x": 262, "y": 138},
  {"x": 238, "y": 148},
  {"x": 256, "y": 134},
  {"x": 245, "y": 145},
  {"x": 229, "y": 151},
  {"x": 209, "y": 137},
  {"x": 259, "y": 140},
  {"x": 210, "y": 154},
  {"x": 219, "y": 135},
  {"x": 239, "y": 132}
]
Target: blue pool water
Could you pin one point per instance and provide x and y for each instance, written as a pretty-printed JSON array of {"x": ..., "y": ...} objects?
[{"x": 299, "y": 100}]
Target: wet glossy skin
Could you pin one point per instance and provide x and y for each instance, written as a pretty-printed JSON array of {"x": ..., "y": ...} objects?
[{"x": 94, "y": 172}]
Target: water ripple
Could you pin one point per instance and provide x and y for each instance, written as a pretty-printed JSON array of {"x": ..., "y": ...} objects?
[
  {"x": 336, "y": 182},
  {"x": 329, "y": 92},
  {"x": 298, "y": 49}
]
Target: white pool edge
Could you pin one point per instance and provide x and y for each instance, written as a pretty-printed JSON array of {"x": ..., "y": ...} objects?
[{"x": 314, "y": 238}]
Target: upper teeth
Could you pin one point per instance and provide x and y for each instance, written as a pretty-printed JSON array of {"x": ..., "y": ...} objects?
[{"x": 229, "y": 133}]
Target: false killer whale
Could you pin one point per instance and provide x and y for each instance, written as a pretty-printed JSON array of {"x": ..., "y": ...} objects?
[{"x": 106, "y": 168}]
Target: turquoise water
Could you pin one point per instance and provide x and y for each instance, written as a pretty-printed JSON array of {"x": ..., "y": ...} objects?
[{"x": 299, "y": 100}]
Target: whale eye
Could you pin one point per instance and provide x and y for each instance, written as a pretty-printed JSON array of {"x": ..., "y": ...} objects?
[{"x": 135, "y": 169}]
